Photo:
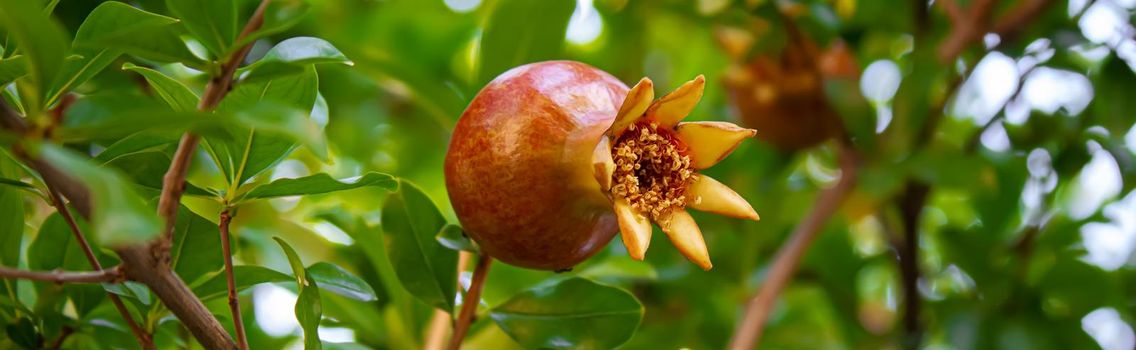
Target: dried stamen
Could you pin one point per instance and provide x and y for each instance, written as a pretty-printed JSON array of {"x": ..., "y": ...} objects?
[{"x": 652, "y": 169}]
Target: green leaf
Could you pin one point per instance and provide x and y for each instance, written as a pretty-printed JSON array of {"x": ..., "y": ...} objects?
[
  {"x": 119, "y": 216},
  {"x": 55, "y": 247},
  {"x": 573, "y": 314},
  {"x": 109, "y": 22},
  {"x": 173, "y": 92},
  {"x": 320, "y": 183},
  {"x": 305, "y": 50},
  {"x": 294, "y": 261},
  {"x": 11, "y": 224},
  {"x": 212, "y": 22},
  {"x": 197, "y": 246},
  {"x": 116, "y": 27},
  {"x": 453, "y": 237},
  {"x": 42, "y": 41},
  {"x": 278, "y": 17},
  {"x": 426, "y": 269},
  {"x": 244, "y": 276},
  {"x": 620, "y": 267},
  {"x": 12, "y": 68},
  {"x": 293, "y": 55},
  {"x": 522, "y": 31},
  {"x": 308, "y": 312},
  {"x": 132, "y": 290},
  {"x": 23, "y": 333},
  {"x": 335, "y": 279},
  {"x": 246, "y": 153}
]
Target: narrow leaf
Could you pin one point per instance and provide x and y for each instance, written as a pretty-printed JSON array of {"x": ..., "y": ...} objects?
[
  {"x": 196, "y": 251},
  {"x": 453, "y": 237},
  {"x": 294, "y": 261},
  {"x": 309, "y": 311},
  {"x": 320, "y": 183}
]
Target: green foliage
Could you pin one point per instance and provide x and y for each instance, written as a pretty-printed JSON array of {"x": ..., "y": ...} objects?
[
  {"x": 119, "y": 215},
  {"x": 572, "y": 314},
  {"x": 333, "y": 136},
  {"x": 426, "y": 269}
]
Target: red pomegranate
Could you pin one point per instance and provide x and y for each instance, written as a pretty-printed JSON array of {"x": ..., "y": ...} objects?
[{"x": 551, "y": 158}]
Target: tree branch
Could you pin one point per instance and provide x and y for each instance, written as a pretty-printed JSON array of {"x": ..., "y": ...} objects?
[
  {"x": 969, "y": 26},
  {"x": 911, "y": 205},
  {"x": 470, "y": 301},
  {"x": 749, "y": 331},
  {"x": 148, "y": 263},
  {"x": 234, "y": 300},
  {"x": 61, "y": 277},
  {"x": 145, "y": 339}
]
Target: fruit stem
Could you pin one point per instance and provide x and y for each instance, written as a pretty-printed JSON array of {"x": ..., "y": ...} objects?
[{"x": 470, "y": 300}]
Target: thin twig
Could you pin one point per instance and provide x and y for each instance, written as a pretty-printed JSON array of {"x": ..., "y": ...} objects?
[
  {"x": 173, "y": 182},
  {"x": 145, "y": 340},
  {"x": 470, "y": 301},
  {"x": 749, "y": 331},
  {"x": 61, "y": 277},
  {"x": 234, "y": 300},
  {"x": 969, "y": 26}
]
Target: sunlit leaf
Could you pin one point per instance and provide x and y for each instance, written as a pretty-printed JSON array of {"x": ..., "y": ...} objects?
[
  {"x": 293, "y": 56},
  {"x": 573, "y": 314},
  {"x": 335, "y": 279},
  {"x": 294, "y": 261},
  {"x": 319, "y": 183},
  {"x": 453, "y": 237},
  {"x": 427, "y": 269}
]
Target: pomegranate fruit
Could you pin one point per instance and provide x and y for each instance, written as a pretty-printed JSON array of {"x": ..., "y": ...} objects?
[{"x": 551, "y": 159}]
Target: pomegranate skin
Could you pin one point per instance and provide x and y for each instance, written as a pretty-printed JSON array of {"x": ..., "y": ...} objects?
[{"x": 519, "y": 167}]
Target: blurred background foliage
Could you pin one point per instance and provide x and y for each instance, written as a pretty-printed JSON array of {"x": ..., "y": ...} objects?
[{"x": 1022, "y": 141}]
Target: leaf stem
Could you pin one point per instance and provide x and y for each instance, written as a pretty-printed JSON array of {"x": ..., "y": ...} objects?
[
  {"x": 145, "y": 339},
  {"x": 748, "y": 332},
  {"x": 470, "y": 301},
  {"x": 234, "y": 300}
]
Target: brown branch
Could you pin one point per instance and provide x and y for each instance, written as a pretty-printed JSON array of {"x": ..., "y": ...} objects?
[
  {"x": 969, "y": 26},
  {"x": 148, "y": 263},
  {"x": 173, "y": 182},
  {"x": 440, "y": 324},
  {"x": 470, "y": 301},
  {"x": 234, "y": 300},
  {"x": 749, "y": 331},
  {"x": 145, "y": 339},
  {"x": 911, "y": 205},
  {"x": 61, "y": 277}
]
